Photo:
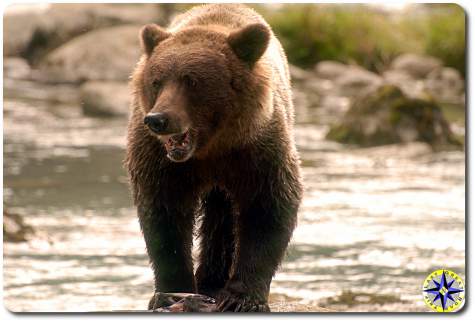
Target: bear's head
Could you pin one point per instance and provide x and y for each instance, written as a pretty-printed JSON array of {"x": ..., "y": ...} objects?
[{"x": 203, "y": 89}]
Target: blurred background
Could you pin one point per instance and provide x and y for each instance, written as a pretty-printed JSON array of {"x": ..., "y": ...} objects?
[{"x": 379, "y": 93}]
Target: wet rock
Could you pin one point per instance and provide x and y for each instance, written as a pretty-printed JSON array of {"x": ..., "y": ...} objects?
[
  {"x": 105, "y": 54},
  {"x": 105, "y": 98},
  {"x": 42, "y": 29},
  {"x": 14, "y": 228},
  {"x": 330, "y": 70},
  {"x": 446, "y": 85},
  {"x": 418, "y": 66},
  {"x": 357, "y": 81},
  {"x": 388, "y": 116}
]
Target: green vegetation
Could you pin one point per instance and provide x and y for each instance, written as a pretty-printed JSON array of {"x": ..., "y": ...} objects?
[
  {"x": 446, "y": 36},
  {"x": 366, "y": 35}
]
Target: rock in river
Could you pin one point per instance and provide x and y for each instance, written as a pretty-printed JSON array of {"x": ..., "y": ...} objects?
[{"x": 387, "y": 116}]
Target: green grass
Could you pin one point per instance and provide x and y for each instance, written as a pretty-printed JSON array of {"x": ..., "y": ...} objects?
[{"x": 367, "y": 36}]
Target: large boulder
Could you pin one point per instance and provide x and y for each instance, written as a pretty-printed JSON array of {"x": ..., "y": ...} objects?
[
  {"x": 106, "y": 54},
  {"x": 105, "y": 98},
  {"x": 36, "y": 31},
  {"x": 387, "y": 116},
  {"x": 418, "y": 66}
]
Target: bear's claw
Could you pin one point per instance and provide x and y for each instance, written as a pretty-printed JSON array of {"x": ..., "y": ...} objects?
[{"x": 238, "y": 303}]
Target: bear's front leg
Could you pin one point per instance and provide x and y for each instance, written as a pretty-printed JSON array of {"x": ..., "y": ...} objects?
[
  {"x": 265, "y": 225},
  {"x": 168, "y": 236}
]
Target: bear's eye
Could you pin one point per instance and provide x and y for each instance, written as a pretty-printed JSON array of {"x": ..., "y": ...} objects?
[
  {"x": 189, "y": 81},
  {"x": 157, "y": 84}
]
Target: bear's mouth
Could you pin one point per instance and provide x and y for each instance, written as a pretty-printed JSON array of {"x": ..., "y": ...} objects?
[{"x": 179, "y": 146}]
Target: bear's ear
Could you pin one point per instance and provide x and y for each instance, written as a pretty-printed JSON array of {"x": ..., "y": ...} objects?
[
  {"x": 250, "y": 42},
  {"x": 151, "y": 35}
]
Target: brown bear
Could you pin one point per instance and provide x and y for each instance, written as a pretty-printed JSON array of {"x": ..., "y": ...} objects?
[{"x": 210, "y": 140}]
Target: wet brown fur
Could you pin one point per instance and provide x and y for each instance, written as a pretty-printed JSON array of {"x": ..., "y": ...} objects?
[{"x": 244, "y": 177}]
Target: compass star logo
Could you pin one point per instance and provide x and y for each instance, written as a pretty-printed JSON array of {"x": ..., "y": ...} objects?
[{"x": 444, "y": 291}]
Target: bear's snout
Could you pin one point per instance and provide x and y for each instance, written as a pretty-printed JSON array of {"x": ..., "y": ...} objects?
[{"x": 157, "y": 122}]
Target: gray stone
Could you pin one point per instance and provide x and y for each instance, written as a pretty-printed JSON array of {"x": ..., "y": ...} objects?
[{"x": 105, "y": 54}]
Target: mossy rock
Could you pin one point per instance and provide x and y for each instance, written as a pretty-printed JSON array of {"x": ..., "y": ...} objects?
[{"x": 387, "y": 116}]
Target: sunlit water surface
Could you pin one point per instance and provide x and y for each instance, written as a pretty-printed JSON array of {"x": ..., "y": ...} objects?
[{"x": 372, "y": 220}]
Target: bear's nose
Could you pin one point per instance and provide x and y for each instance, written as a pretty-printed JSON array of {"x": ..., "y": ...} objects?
[{"x": 157, "y": 122}]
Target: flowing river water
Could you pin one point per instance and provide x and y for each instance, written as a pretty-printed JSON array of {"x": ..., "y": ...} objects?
[{"x": 374, "y": 222}]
